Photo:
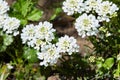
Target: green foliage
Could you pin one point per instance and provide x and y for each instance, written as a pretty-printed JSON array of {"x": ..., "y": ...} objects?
[
  {"x": 30, "y": 54},
  {"x": 28, "y": 72},
  {"x": 25, "y": 10},
  {"x": 4, "y": 72},
  {"x": 57, "y": 11},
  {"x": 5, "y": 40},
  {"x": 117, "y": 71},
  {"x": 104, "y": 66},
  {"x": 35, "y": 15},
  {"x": 109, "y": 62}
]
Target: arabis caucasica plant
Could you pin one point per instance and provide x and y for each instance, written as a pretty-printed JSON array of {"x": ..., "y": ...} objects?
[{"x": 91, "y": 12}]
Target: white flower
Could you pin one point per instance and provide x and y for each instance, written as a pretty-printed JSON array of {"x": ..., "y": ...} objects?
[
  {"x": 49, "y": 54},
  {"x": 105, "y": 10},
  {"x": 3, "y": 17},
  {"x": 11, "y": 25},
  {"x": 9, "y": 66},
  {"x": 108, "y": 34},
  {"x": 3, "y": 7},
  {"x": 92, "y": 5},
  {"x": 39, "y": 35},
  {"x": 8, "y": 24},
  {"x": 38, "y": 43},
  {"x": 86, "y": 25},
  {"x": 73, "y": 6},
  {"x": 28, "y": 33},
  {"x": 45, "y": 31},
  {"x": 118, "y": 57},
  {"x": 67, "y": 44}
]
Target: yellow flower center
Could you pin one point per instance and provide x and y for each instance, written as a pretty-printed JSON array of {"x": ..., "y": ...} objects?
[
  {"x": 93, "y": 3},
  {"x": 86, "y": 22},
  {"x": 51, "y": 51},
  {"x": 39, "y": 42},
  {"x": 73, "y": 3},
  {"x": 11, "y": 23},
  {"x": 106, "y": 8},
  {"x": 43, "y": 30},
  {"x": 65, "y": 44},
  {"x": 31, "y": 32}
]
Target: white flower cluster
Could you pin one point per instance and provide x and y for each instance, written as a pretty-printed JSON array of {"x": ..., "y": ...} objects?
[
  {"x": 91, "y": 5},
  {"x": 67, "y": 44},
  {"x": 8, "y": 24},
  {"x": 73, "y": 6},
  {"x": 40, "y": 38},
  {"x": 105, "y": 10},
  {"x": 49, "y": 54},
  {"x": 39, "y": 35},
  {"x": 3, "y": 7},
  {"x": 87, "y": 25}
]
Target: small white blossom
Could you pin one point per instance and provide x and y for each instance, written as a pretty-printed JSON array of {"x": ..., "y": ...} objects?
[
  {"x": 118, "y": 57},
  {"x": 105, "y": 10},
  {"x": 9, "y": 66},
  {"x": 39, "y": 35},
  {"x": 92, "y": 5},
  {"x": 11, "y": 26},
  {"x": 3, "y": 7},
  {"x": 3, "y": 17},
  {"x": 108, "y": 34},
  {"x": 49, "y": 54},
  {"x": 72, "y": 6},
  {"x": 67, "y": 44},
  {"x": 45, "y": 31},
  {"x": 92, "y": 59},
  {"x": 86, "y": 25},
  {"x": 38, "y": 43},
  {"x": 28, "y": 33}
]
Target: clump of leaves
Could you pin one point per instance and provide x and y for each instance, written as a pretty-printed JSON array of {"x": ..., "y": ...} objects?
[
  {"x": 25, "y": 10},
  {"x": 5, "y": 40}
]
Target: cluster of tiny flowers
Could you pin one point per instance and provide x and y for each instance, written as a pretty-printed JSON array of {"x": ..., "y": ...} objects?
[
  {"x": 8, "y": 24},
  {"x": 89, "y": 26},
  {"x": 50, "y": 53},
  {"x": 105, "y": 11},
  {"x": 91, "y": 5},
  {"x": 38, "y": 35},
  {"x": 86, "y": 25},
  {"x": 3, "y": 7},
  {"x": 73, "y": 6},
  {"x": 40, "y": 38},
  {"x": 67, "y": 44}
]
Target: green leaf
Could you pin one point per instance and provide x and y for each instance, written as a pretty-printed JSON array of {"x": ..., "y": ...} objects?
[
  {"x": 22, "y": 6},
  {"x": 8, "y": 39},
  {"x": 35, "y": 15},
  {"x": 56, "y": 13},
  {"x": 99, "y": 64},
  {"x": 109, "y": 62},
  {"x": 26, "y": 7},
  {"x": 117, "y": 74},
  {"x": 30, "y": 54},
  {"x": 23, "y": 22},
  {"x": 3, "y": 48},
  {"x": 16, "y": 6}
]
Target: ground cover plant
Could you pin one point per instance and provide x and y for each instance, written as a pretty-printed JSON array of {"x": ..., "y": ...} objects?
[{"x": 59, "y": 40}]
